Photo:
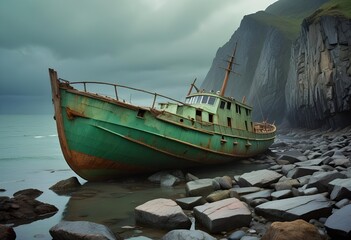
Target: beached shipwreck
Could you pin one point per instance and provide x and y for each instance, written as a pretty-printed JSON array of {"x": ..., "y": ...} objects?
[{"x": 104, "y": 137}]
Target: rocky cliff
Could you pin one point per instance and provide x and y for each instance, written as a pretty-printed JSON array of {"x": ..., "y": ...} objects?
[
  {"x": 294, "y": 63},
  {"x": 318, "y": 89}
]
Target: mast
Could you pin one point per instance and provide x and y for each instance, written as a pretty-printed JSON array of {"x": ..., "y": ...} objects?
[
  {"x": 227, "y": 72},
  {"x": 191, "y": 87}
]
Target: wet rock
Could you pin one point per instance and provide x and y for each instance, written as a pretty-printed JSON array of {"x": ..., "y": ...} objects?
[
  {"x": 342, "y": 203},
  {"x": 28, "y": 193},
  {"x": 313, "y": 162},
  {"x": 237, "y": 235},
  {"x": 236, "y": 192},
  {"x": 321, "y": 180},
  {"x": 200, "y": 187},
  {"x": 225, "y": 182},
  {"x": 7, "y": 233},
  {"x": 338, "y": 225},
  {"x": 162, "y": 213},
  {"x": 23, "y": 208},
  {"x": 303, "y": 171},
  {"x": 258, "y": 201},
  {"x": 189, "y": 177},
  {"x": 66, "y": 185},
  {"x": 293, "y": 156},
  {"x": 286, "y": 185},
  {"x": 281, "y": 194},
  {"x": 169, "y": 180},
  {"x": 259, "y": 178},
  {"x": 81, "y": 230},
  {"x": 287, "y": 168},
  {"x": 261, "y": 194},
  {"x": 223, "y": 215},
  {"x": 298, "y": 229},
  {"x": 190, "y": 202},
  {"x": 303, "y": 207},
  {"x": 217, "y": 195},
  {"x": 341, "y": 188},
  {"x": 310, "y": 191},
  {"x": 187, "y": 234}
]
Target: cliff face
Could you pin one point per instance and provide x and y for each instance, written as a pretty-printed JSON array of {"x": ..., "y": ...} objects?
[
  {"x": 294, "y": 63},
  {"x": 318, "y": 89}
]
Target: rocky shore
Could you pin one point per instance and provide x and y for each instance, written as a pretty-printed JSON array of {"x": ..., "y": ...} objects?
[{"x": 305, "y": 192}]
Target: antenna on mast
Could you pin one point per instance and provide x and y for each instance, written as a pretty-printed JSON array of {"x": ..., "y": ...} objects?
[{"x": 228, "y": 70}]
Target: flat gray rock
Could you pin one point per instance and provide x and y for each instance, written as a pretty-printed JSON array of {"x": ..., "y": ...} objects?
[
  {"x": 81, "y": 230},
  {"x": 303, "y": 171},
  {"x": 313, "y": 162},
  {"x": 224, "y": 215},
  {"x": 338, "y": 225},
  {"x": 341, "y": 188},
  {"x": 281, "y": 194},
  {"x": 292, "y": 156},
  {"x": 236, "y": 192},
  {"x": 162, "y": 213},
  {"x": 189, "y": 203},
  {"x": 303, "y": 207},
  {"x": 261, "y": 194},
  {"x": 200, "y": 187},
  {"x": 259, "y": 178},
  {"x": 320, "y": 180},
  {"x": 182, "y": 234}
]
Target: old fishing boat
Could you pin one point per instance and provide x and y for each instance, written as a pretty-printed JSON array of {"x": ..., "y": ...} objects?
[{"x": 106, "y": 137}]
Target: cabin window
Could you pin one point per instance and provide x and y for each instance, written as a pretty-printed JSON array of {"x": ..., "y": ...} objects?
[
  {"x": 199, "y": 99},
  {"x": 222, "y": 105},
  {"x": 229, "y": 121},
  {"x": 247, "y": 112},
  {"x": 141, "y": 113},
  {"x": 229, "y": 105},
  {"x": 204, "y": 99},
  {"x": 251, "y": 126},
  {"x": 246, "y": 126},
  {"x": 210, "y": 117},
  {"x": 187, "y": 100},
  {"x": 211, "y": 101},
  {"x": 238, "y": 108},
  {"x": 198, "y": 115}
]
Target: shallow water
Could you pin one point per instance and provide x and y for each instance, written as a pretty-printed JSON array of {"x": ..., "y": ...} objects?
[{"x": 30, "y": 157}]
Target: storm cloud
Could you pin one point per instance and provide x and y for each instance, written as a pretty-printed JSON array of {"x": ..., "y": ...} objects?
[{"x": 157, "y": 45}]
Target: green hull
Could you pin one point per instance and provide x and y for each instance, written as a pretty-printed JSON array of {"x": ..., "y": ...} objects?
[{"x": 104, "y": 138}]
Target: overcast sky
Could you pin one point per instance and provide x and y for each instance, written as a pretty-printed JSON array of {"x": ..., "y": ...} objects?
[{"x": 157, "y": 45}]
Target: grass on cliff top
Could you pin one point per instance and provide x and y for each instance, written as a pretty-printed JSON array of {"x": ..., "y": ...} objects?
[
  {"x": 289, "y": 26},
  {"x": 334, "y": 8}
]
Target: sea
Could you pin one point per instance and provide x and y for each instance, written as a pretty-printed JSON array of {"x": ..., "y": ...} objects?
[{"x": 30, "y": 157}]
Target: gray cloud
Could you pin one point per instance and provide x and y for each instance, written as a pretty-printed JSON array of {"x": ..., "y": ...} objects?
[{"x": 159, "y": 45}]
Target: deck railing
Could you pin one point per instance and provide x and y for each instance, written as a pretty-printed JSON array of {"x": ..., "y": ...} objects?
[{"x": 116, "y": 86}]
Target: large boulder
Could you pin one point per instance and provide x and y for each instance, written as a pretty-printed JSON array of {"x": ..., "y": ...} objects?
[
  {"x": 298, "y": 229},
  {"x": 224, "y": 215},
  {"x": 259, "y": 178},
  {"x": 81, "y": 230},
  {"x": 340, "y": 188},
  {"x": 303, "y": 171},
  {"x": 338, "y": 225},
  {"x": 182, "y": 234},
  {"x": 162, "y": 213},
  {"x": 200, "y": 187},
  {"x": 302, "y": 207}
]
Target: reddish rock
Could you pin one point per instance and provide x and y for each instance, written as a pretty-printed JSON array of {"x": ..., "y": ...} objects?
[
  {"x": 162, "y": 213},
  {"x": 298, "y": 229}
]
